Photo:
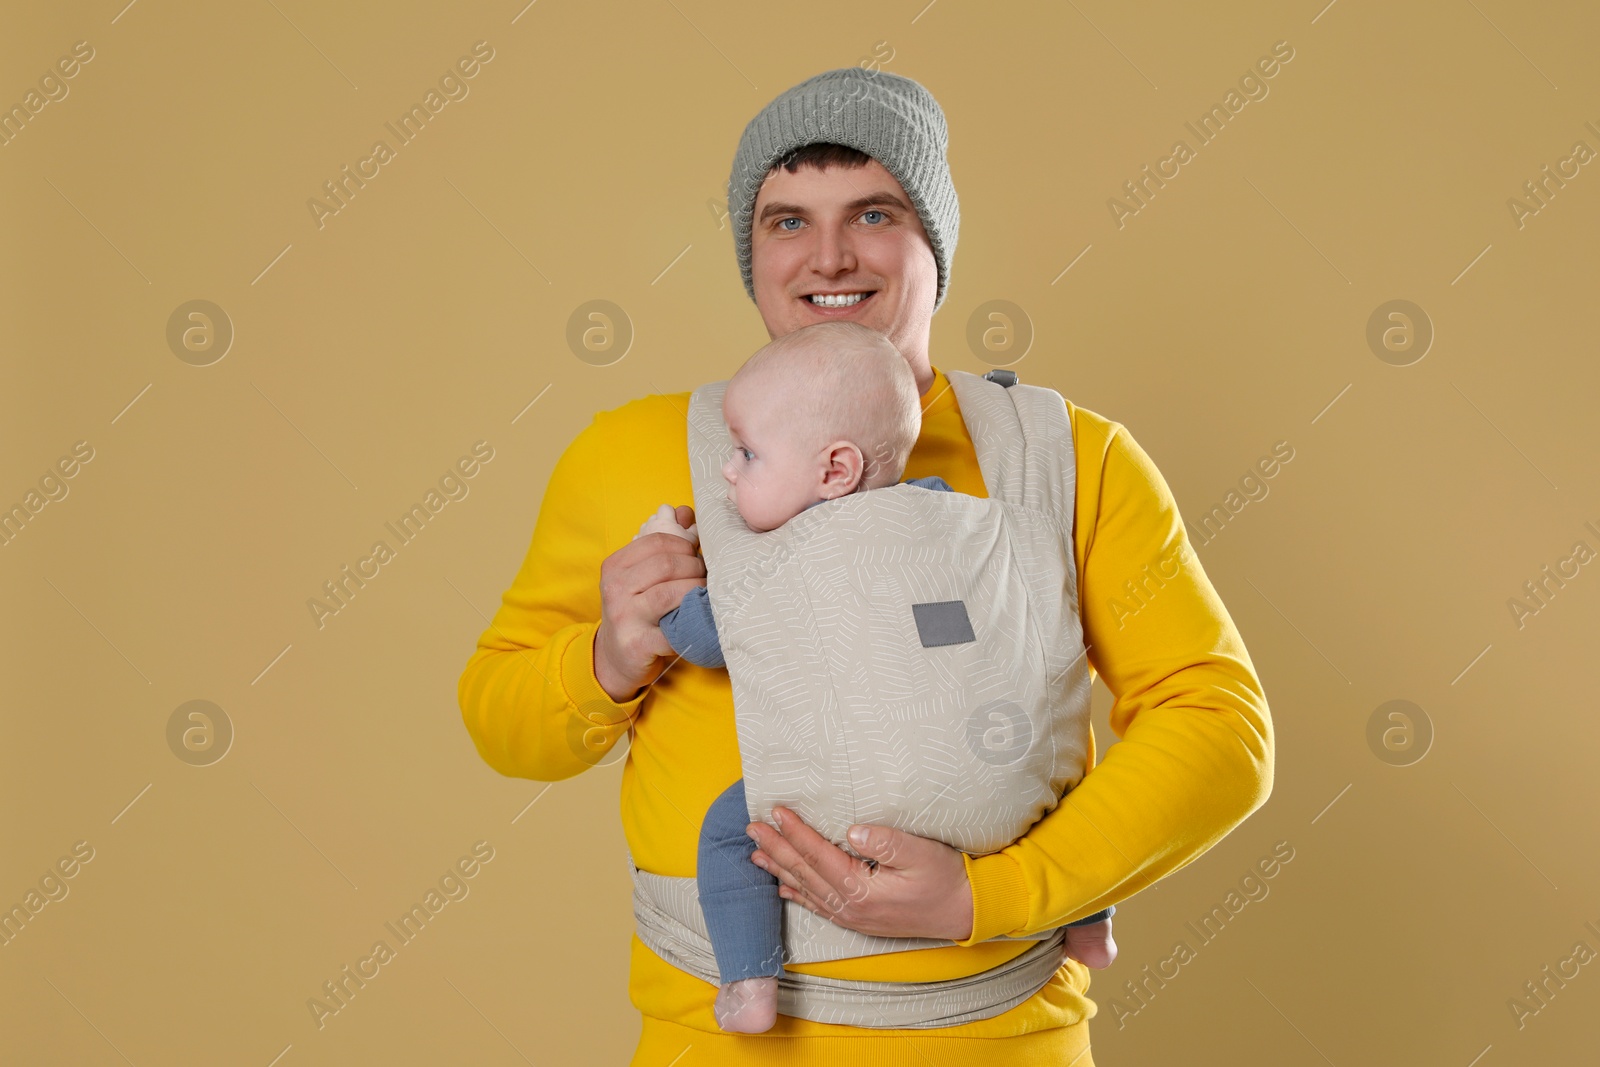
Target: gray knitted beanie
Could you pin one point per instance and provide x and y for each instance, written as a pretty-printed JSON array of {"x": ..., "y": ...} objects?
[{"x": 891, "y": 118}]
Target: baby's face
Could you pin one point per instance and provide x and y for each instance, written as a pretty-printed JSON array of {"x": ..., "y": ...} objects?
[{"x": 770, "y": 478}]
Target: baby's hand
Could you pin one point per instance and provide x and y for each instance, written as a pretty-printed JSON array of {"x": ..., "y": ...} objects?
[{"x": 665, "y": 520}]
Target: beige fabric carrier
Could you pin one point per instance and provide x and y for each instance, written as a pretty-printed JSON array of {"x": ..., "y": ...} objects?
[{"x": 902, "y": 657}]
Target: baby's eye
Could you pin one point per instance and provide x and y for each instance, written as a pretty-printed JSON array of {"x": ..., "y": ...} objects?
[{"x": 746, "y": 453}]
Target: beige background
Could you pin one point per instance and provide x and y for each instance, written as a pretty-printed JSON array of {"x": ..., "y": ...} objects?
[{"x": 589, "y": 162}]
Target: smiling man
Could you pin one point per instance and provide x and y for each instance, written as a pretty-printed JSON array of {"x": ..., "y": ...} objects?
[
  {"x": 832, "y": 241},
  {"x": 843, "y": 207}
]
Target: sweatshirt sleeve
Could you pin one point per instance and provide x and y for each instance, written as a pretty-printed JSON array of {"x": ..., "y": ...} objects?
[
  {"x": 528, "y": 694},
  {"x": 1195, "y": 755}
]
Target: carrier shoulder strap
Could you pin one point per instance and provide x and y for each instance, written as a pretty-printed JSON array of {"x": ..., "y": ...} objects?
[{"x": 1023, "y": 439}]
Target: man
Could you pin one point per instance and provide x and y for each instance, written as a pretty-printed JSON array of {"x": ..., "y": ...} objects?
[{"x": 843, "y": 207}]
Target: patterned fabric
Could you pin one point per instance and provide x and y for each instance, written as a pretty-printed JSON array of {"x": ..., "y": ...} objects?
[
  {"x": 691, "y": 627},
  {"x": 846, "y": 717}
]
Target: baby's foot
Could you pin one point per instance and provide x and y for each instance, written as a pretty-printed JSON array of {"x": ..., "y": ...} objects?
[
  {"x": 1092, "y": 945},
  {"x": 748, "y": 1006}
]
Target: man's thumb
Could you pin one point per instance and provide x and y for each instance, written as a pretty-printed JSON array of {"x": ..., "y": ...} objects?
[{"x": 878, "y": 843}]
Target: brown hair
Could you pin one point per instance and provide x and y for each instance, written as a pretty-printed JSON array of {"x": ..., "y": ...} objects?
[{"x": 822, "y": 155}]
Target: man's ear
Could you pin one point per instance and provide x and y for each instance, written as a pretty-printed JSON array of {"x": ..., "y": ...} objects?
[{"x": 842, "y": 471}]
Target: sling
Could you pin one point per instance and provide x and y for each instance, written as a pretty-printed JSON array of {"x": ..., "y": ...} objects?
[{"x": 905, "y": 658}]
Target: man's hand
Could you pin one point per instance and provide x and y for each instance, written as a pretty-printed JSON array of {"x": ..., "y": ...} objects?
[
  {"x": 639, "y": 583},
  {"x": 919, "y": 887}
]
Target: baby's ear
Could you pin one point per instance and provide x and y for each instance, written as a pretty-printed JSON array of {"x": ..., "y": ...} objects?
[{"x": 846, "y": 468}]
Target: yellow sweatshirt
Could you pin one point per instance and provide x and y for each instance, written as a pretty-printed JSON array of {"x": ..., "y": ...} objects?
[{"x": 1195, "y": 756}]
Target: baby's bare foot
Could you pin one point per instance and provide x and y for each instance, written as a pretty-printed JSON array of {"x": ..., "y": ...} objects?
[
  {"x": 1092, "y": 945},
  {"x": 748, "y": 1006}
]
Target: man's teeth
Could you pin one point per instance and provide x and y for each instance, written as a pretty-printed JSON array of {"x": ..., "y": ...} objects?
[{"x": 840, "y": 301}]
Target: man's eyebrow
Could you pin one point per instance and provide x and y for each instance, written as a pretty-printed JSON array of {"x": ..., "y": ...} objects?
[{"x": 870, "y": 200}]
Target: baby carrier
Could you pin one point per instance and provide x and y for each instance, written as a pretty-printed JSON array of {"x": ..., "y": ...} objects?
[{"x": 899, "y": 657}]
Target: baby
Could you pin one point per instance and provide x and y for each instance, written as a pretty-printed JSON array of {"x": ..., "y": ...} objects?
[{"x": 820, "y": 413}]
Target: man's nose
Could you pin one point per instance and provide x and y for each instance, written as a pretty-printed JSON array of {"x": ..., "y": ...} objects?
[{"x": 834, "y": 250}]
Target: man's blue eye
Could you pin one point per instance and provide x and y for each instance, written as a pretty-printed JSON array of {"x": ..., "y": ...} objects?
[
  {"x": 873, "y": 211},
  {"x": 789, "y": 219}
]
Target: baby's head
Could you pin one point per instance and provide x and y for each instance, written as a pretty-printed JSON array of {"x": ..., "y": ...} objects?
[{"x": 827, "y": 410}]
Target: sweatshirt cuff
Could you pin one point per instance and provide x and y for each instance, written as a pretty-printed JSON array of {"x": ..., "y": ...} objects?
[
  {"x": 999, "y": 896},
  {"x": 583, "y": 689}
]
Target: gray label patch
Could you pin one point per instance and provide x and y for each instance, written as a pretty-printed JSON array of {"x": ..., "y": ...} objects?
[{"x": 943, "y": 623}]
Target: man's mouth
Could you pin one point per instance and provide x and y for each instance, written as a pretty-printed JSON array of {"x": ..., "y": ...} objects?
[{"x": 838, "y": 301}]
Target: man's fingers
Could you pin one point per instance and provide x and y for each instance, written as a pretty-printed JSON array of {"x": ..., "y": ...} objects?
[
  {"x": 673, "y": 558},
  {"x": 682, "y": 570},
  {"x": 662, "y": 598},
  {"x": 804, "y": 902},
  {"x": 651, "y": 580},
  {"x": 923, "y": 893},
  {"x": 883, "y": 845},
  {"x": 789, "y": 887},
  {"x": 783, "y": 862},
  {"x": 655, "y": 642},
  {"x": 642, "y": 551},
  {"x": 801, "y": 843},
  {"x": 640, "y": 582},
  {"x": 822, "y": 871},
  {"x": 644, "y": 562}
]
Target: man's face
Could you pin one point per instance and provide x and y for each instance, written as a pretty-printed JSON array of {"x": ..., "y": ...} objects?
[{"x": 843, "y": 230}]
